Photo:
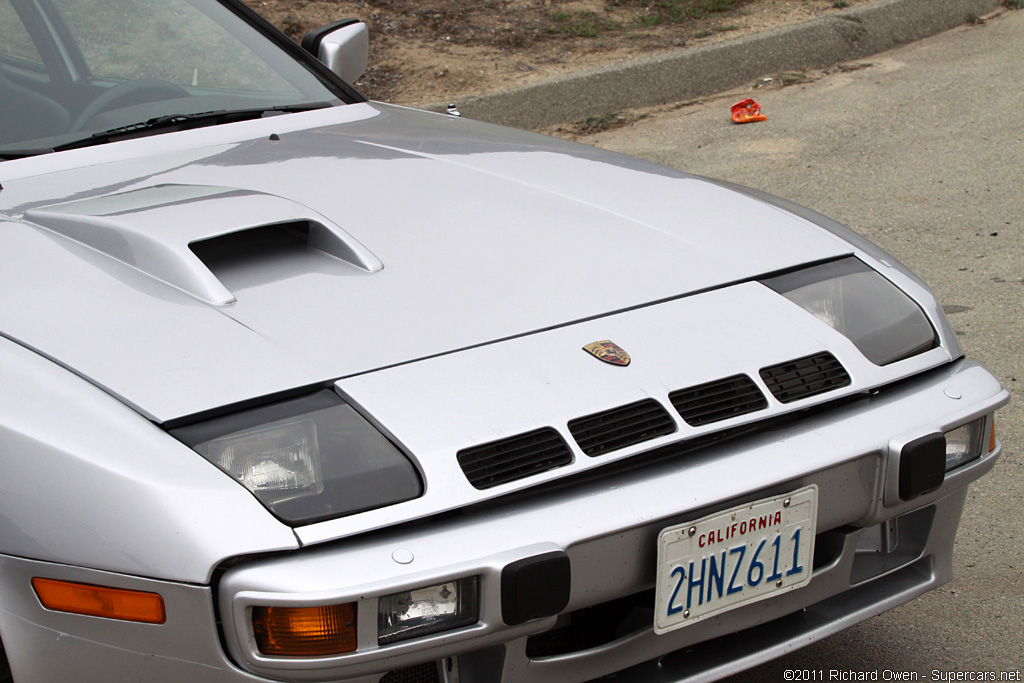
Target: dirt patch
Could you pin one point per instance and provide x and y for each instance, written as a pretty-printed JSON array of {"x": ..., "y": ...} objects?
[
  {"x": 591, "y": 125},
  {"x": 425, "y": 51}
]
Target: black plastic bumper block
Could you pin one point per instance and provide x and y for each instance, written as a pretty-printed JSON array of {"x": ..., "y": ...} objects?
[{"x": 535, "y": 587}]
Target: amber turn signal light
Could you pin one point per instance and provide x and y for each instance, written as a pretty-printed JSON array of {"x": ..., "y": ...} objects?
[
  {"x": 100, "y": 601},
  {"x": 305, "y": 631},
  {"x": 992, "y": 436}
]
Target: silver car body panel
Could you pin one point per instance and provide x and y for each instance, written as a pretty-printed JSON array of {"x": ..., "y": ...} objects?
[
  {"x": 152, "y": 230},
  {"x": 46, "y": 646},
  {"x": 138, "y": 503},
  {"x": 436, "y": 407},
  {"x": 551, "y": 233}
]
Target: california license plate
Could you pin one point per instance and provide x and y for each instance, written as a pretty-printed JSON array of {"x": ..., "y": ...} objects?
[{"x": 733, "y": 558}]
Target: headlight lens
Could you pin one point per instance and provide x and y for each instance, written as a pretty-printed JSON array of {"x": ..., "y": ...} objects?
[
  {"x": 964, "y": 443},
  {"x": 885, "y": 324},
  {"x": 427, "y": 610},
  {"x": 273, "y": 463},
  {"x": 307, "y": 459}
]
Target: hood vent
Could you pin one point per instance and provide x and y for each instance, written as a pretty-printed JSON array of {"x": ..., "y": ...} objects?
[
  {"x": 251, "y": 245},
  {"x": 719, "y": 400},
  {"x": 805, "y": 377},
  {"x": 175, "y": 232},
  {"x": 514, "y": 458},
  {"x": 620, "y": 427},
  {"x": 524, "y": 455}
]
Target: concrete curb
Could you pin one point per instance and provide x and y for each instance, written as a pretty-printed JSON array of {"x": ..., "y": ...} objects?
[{"x": 698, "y": 72}]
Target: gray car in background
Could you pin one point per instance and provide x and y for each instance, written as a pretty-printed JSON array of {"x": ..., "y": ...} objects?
[{"x": 301, "y": 387}]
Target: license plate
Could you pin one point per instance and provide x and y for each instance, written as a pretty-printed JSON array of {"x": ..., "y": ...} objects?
[{"x": 733, "y": 558}]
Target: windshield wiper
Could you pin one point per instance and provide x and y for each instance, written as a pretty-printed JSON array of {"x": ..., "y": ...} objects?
[
  {"x": 166, "y": 124},
  {"x": 176, "y": 122}
]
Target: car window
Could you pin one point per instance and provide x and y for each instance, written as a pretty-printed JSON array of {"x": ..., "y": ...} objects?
[
  {"x": 131, "y": 62},
  {"x": 15, "y": 42},
  {"x": 169, "y": 40}
]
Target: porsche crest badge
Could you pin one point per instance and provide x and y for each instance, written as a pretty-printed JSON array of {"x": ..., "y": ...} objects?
[{"x": 608, "y": 352}]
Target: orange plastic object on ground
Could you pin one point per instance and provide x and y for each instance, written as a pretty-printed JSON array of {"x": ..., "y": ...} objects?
[{"x": 747, "y": 111}]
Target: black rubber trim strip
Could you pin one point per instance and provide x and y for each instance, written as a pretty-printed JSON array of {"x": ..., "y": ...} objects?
[
  {"x": 240, "y": 406},
  {"x": 239, "y": 420}
]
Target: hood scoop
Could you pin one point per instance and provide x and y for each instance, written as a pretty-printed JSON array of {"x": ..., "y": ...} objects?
[{"x": 179, "y": 233}]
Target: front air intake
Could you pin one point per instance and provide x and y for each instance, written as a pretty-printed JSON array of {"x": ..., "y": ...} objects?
[
  {"x": 620, "y": 427},
  {"x": 805, "y": 377},
  {"x": 718, "y": 400},
  {"x": 514, "y": 458}
]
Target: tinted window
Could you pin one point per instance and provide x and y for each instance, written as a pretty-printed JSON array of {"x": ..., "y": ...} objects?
[
  {"x": 14, "y": 39},
  {"x": 169, "y": 40},
  {"x": 131, "y": 62}
]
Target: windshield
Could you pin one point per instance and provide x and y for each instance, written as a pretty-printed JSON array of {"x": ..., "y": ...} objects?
[{"x": 73, "y": 68}]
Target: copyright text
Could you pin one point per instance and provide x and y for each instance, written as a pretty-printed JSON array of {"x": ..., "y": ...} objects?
[{"x": 816, "y": 675}]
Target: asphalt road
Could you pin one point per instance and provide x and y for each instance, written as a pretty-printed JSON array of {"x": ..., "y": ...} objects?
[{"x": 923, "y": 152}]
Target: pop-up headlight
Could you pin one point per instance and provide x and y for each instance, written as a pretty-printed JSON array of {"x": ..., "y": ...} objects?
[
  {"x": 885, "y": 324},
  {"x": 307, "y": 459}
]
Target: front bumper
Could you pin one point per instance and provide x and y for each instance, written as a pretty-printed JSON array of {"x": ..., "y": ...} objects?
[{"x": 873, "y": 553}]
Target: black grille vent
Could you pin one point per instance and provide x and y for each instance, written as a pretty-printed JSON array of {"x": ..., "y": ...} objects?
[
  {"x": 620, "y": 427},
  {"x": 516, "y": 457},
  {"x": 421, "y": 673},
  {"x": 719, "y": 400},
  {"x": 803, "y": 377}
]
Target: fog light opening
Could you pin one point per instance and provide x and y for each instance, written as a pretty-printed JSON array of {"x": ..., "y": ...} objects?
[
  {"x": 305, "y": 631},
  {"x": 965, "y": 444},
  {"x": 427, "y": 610}
]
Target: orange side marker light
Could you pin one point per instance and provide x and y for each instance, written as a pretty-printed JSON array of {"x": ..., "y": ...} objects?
[
  {"x": 100, "y": 601},
  {"x": 747, "y": 111}
]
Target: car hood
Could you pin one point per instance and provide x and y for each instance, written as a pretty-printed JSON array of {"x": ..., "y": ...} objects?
[{"x": 424, "y": 234}]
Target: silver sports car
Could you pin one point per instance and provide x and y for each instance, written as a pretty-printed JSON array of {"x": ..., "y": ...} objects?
[{"x": 301, "y": 387}]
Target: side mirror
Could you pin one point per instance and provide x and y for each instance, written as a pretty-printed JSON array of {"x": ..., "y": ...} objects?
[{"x": 343, "y": 46}]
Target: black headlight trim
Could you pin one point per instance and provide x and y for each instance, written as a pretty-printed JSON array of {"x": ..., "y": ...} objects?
[
  {"x": 884, "y": 322},
  {"x": 361, "y": 468},
  {"x": 240, "y": 417}
]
